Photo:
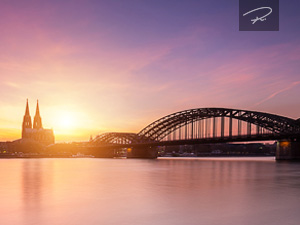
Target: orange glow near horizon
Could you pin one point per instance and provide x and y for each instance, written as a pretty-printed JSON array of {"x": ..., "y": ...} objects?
[
  {"x": 65, "y": 120},
  {"x": 69, "y": 121}
]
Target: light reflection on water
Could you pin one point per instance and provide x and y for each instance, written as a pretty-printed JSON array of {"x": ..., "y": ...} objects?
[{"x": 164, "y": 191}]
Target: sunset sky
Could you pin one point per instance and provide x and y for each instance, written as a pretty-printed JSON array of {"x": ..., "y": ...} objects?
[{"x": 108, "y": 65}]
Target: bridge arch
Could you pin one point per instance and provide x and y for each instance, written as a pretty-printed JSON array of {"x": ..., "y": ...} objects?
[
  {"x": 118, "y": 138},
  {"x": 203, "y": 120}
]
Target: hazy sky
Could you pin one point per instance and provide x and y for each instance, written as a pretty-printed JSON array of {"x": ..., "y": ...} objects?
[{"x": 107, "y": 65}]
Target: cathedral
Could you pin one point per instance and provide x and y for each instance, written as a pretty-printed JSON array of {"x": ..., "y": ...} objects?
[{"x": 36, "y": 131}]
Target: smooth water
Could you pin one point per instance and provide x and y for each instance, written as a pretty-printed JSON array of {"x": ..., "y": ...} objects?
[{"x": 204, "y": 191}]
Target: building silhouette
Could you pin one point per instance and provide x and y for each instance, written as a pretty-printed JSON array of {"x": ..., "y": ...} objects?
[{"x": 36, "y": 131}]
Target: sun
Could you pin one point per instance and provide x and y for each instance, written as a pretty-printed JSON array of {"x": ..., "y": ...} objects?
[{"x": 65, "y": 120}]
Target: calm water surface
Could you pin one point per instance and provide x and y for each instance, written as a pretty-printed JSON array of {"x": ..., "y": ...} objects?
[{"x": 164, "y": 191}]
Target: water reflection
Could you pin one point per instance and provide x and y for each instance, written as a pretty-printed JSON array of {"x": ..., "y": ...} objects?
[
  {"x": 31, "y": 184},
  {"x": 36, "y": 182},
  {"x": 164, "y": 191}
]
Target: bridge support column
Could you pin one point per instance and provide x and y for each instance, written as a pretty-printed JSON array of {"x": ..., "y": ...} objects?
[
  {"x": 288, "y": 150},
  {"x": 142, "y": 152}
]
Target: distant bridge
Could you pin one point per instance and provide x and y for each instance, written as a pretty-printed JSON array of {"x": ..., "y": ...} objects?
[{"x": 206, "y": 125}]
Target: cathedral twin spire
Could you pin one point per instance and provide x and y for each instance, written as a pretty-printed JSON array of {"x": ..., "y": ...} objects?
[
  {"x": 34, "y": 131},
  {"x": 37, "y": 121},
  {"x": 27, "y": 118}
]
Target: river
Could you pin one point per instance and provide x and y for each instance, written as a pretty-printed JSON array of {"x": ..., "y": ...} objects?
[{"x": 187, "y": 191}]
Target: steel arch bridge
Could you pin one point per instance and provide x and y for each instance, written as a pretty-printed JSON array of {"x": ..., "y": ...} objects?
[
  {"x": 208, "y": 124},
  {"x": 118, "y": 138}
]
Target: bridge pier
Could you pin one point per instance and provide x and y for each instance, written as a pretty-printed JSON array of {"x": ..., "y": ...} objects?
[
  {"x": 142, "y": 152},
  {"x": 288, "y": 149}
]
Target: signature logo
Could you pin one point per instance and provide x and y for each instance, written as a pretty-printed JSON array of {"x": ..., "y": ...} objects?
[{"x": 263, "y": 18}]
